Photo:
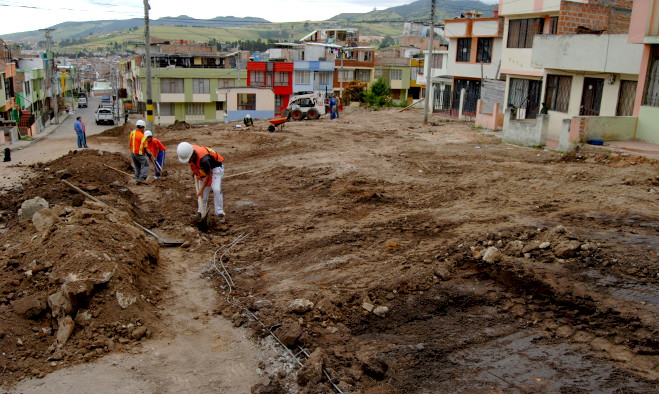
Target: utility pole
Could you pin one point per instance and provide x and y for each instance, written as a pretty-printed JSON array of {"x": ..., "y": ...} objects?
[
  {"x": 50, "y": 72},
  {"x": 430, "y": 63},
  {"x": 147, "y": 53}
]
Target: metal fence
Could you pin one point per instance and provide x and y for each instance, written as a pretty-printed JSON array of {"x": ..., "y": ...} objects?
[{"x": 447, "y": 103}]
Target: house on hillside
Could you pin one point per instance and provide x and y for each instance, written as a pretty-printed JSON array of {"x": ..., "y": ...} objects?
[
  {"x": 185, "y": 78},
  {"x": 566, "y": 59},
  {"x": 644, "y": 30},
  {"x": 275, "y": 75}
]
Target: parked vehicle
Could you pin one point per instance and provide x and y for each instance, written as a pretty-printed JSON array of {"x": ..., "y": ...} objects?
[
  {"x": 106, "y": 97},
  {"x": 82, "y": 102},
  {"x": 104, "y": 115},
  {"x": 305, "y": 105}
]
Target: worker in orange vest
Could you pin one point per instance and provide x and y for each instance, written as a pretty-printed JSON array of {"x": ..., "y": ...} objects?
[
  {"x": 157, "y": 151},
  {"x": 207, "y": 170},
  {"x": 138, "y": 152}
]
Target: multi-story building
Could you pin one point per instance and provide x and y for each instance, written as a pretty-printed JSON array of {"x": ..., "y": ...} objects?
[
  {"x": 7, "y": 74},
  {"x": 644, "y": 30},
  {"x": 275, "y": 75},
  {"x": 310, "y": 71},
  {"x": 33, "y": 94},
  {"x": 566, "y": 59},
  {"x": 392, "y": 66},
  {"x": 185, "y": 78},
  {"x": 474, "y": 54}
]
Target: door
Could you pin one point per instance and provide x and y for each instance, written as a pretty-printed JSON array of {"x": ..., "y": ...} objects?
[{"x": 591, "y": 99}]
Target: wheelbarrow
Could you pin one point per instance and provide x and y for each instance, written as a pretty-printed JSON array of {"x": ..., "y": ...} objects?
[{"x": 277, "y": 123}]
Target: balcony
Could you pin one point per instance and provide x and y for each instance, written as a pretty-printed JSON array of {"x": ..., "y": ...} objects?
[{"x": 606, "y": 53}]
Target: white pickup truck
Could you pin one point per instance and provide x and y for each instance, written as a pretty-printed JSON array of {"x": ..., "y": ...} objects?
[{"x": 104, "y": 115}]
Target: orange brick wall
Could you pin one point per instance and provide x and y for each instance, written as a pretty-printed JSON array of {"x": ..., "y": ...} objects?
[{"x": 612, "y": 16}]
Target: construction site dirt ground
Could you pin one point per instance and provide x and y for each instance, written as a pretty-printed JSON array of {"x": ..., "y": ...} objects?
[{"x": 389, "y": 256}]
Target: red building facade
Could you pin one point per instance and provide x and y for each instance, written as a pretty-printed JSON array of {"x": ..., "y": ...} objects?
[{"x": 277, "y": 76}]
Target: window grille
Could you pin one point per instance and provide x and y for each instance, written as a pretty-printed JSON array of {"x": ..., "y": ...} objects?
[
  {"x": 651, "y": 96},
  {"x": 396, "y": 75},
  {"x": 484, "y": 50},
  {"x": 464, "y": 50},
  {"x": 557, "y": 95},
  {"x": 626, "y": 98}
]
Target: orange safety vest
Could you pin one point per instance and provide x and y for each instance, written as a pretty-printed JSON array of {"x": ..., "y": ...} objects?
[
  {"x": 137, "y": 142},
  {"x": 200, "y": 152}
]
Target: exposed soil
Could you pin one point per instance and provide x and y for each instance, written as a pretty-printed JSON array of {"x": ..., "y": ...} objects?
[{"x": 423, "y": 258}]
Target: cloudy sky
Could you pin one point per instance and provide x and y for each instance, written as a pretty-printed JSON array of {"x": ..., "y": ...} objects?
[{"x": 26, "y": 15}]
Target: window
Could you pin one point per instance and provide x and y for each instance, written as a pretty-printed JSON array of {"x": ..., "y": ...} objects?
[
  {"x": 553, "y": 27},
  {"x": 171, "y": 85},
  {"x": 278, "y": 102},
  {"x": 437, "y": 60},
  {"x": 651, "y": 94},
  {"x": 626, "y": 98},
  {"x": 226, "y": 82},
  {"x": 281, "y": 78},
  {"x": 257, "y": 78},
  {"x": 194, "y": 108},
  {"x": 396, "y": 75},
  {"x": 464, "y": 50},
  {"x": 484, "y": 50},
  {"x": 27, "y": 87},
  {"x": 201, "y": 86},
  {"x": 345, "y": 75},
  {"x": 557, "y": 96},
  {"x": 219, "y": 105},
  {"x": 522, "y": 31},
  {"x": 302, "y": 77},
  {"x": 324, "y": 77},
  {"x": 363, "y": 75},
  {"x": 166, "y": 109},
  {"x": 246, "y": 102}
]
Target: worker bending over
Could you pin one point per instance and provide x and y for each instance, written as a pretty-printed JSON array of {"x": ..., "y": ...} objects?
[
  {"x": 207, "y": 170},
  {"x": 157, "y": 150},
  {"x": 139, "y": 152},
  {"x": 248, "y": 120}
]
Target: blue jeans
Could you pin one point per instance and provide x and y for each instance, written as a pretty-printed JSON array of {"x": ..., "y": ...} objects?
[
  {"x": 82, "y": 139},
  {"x": 160, "y": 162}
]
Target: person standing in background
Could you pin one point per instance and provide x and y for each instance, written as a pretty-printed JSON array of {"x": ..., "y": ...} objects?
[{"x": 81, "y": 130}]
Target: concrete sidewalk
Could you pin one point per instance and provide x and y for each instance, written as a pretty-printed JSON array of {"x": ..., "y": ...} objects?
[
  {"x": 48, "y": 130},
  {"x": 631, "y": 147}
]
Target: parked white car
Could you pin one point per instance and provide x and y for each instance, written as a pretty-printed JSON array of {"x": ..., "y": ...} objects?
[{"x": 104, "y": 115}]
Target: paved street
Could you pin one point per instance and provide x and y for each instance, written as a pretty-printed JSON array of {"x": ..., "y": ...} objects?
[{"x": 53, "y": 144}]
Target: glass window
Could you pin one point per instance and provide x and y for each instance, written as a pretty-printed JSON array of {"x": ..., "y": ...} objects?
[
  {"x": 464, "y": 50},
  {"x": 194, "y": 108},
  {"x": 484, "y": 50},
  {"x": 278, "y": 101},
  {"x": 257, "y": 78},
  {"x": 346, "y": 75},
  {"x": 281, "y": 78},
  {"x": 651, "y": 96},
  {"x": 363, "y": 75},
  {"x": 166, "y": 109},
  {"x": 324, "y": 77},
  {"x": 557, "y": 95},
  {"x": 201, "y": 86},
  {"x": 171, "y": 85},
  {"x": 246, "y": 102},
  {"x": 396, "y": 75},
  {"x": 522, "y": 31},
  {"x": 626, "y": 98},
  {"x": 226, "y": 82},
  {"x": 302, "y": 77}
]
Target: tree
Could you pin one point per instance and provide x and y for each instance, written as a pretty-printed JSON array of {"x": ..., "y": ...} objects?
[
  {"x": 379, "y": 94},
  {"x": 387, "y": 42}
]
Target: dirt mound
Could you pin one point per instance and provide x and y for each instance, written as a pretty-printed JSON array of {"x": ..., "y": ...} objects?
[
  {"x": 179, "y": 125},
  {"x": 79, "y": 278},
  {"x": 119, "y": 131},
  {"x": 610, "y": 159}
]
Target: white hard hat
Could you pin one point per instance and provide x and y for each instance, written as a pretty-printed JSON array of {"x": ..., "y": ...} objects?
[
  {"x": 247, "y": 116},
  {"x": 184, "y": 152},
  {"x": 140, "y": 123},
  {"x": 148, "y": 133}
]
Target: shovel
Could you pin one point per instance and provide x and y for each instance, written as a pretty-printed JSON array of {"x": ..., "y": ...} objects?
[{"x": 161, "y": 241}]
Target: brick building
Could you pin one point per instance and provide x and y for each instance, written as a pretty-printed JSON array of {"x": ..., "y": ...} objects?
[{"x": 564, "y": 59}]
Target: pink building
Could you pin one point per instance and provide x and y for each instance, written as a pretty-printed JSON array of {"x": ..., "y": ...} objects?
[{"x": 644, "y": 29}]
